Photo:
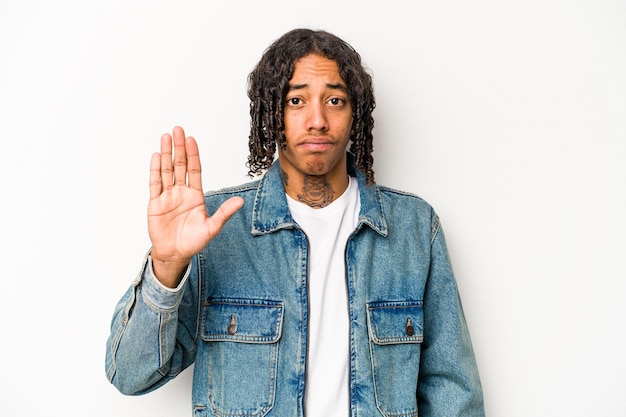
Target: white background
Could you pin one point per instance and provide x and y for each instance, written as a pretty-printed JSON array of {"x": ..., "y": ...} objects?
[{"x": 509, "y": 116}]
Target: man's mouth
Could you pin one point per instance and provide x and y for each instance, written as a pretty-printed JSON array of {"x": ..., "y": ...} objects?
[{"x": 317, "y": 144}]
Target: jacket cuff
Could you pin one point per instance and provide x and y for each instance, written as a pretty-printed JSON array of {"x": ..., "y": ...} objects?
[{"x": 157, "y": 295}]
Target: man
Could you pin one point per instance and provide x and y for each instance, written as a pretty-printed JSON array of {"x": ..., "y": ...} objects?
[{"x": 309, "y": 291}]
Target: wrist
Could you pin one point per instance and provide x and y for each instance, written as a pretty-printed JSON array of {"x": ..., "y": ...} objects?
[{"x": 169, "y": 272}]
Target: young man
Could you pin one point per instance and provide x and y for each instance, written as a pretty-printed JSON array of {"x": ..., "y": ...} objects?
[{"x": 309, "y": 291}]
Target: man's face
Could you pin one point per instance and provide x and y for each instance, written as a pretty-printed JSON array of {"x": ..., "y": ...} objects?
[{"x": 318, "y": 118}]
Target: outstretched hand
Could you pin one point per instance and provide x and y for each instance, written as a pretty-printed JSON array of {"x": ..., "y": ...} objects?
[{"x": 178, "y": 223}]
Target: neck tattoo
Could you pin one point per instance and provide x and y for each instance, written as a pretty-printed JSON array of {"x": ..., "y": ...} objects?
[
  {"x": 285, "y": 178},
  {"x": 316, "y": 191}
]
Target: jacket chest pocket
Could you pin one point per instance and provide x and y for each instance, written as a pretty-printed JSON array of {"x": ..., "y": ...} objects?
[
  {"x": 395, "y": 333},
  {"x": 242, "y": 343}
]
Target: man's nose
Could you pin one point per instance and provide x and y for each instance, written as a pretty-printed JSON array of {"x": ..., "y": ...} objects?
[{"x": 317, "y": 117}]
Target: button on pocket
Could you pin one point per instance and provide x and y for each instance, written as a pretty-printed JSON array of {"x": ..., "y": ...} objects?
[
  {"x": 242, "y": 338},
  {"x": 232, "y": 327},
  {"x": 396, "y": 332},
  {"x": 409, "y": 330}
]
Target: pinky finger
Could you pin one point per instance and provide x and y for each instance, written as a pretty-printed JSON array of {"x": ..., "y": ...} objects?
[{"x": 156, "y": 185}]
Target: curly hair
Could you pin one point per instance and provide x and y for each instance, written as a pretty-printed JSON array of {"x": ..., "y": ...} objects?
[{"x": 268, "y": 85}]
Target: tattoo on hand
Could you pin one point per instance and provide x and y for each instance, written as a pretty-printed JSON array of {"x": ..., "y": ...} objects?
[{"x": 316, "y": 191}]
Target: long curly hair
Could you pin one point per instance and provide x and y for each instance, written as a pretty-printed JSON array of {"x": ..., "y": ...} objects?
[{"x": 268, "y": 84}]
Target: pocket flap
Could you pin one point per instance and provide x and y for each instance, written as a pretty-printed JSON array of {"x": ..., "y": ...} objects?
[
  {"x": 242, "y": 320},
  {"x": 392, "y": 322}
]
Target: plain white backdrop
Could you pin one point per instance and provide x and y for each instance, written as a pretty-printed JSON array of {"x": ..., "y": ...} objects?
[{"x": 509, "y": 117}]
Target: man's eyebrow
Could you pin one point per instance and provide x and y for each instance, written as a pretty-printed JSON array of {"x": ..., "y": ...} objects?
[{"x": 338, "y": 86}]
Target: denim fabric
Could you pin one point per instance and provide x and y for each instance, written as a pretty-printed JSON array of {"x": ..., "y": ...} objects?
[{"x": 241, "y": 314}]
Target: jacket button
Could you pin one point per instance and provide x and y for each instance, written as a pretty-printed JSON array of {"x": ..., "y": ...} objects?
[
  {"x": 409, "y": 330},
  {"x": 232, "y": 327}
]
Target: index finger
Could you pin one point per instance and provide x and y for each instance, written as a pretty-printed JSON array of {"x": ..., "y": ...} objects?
[{"x": 194, "y": 170}]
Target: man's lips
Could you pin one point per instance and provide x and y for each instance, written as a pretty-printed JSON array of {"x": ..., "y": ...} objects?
[{"x": 317, "y": 144}]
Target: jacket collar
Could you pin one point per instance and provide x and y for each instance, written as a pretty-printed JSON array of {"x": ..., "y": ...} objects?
[{"x": 271, "y": 212}]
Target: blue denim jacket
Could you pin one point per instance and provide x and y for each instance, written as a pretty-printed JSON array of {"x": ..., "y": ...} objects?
[{"x": 241, "y": 314}]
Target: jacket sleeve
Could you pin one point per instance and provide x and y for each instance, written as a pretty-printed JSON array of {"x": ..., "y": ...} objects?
[
  {"x": 153, "y": 332},
  {"x": 449, "y": 384}
]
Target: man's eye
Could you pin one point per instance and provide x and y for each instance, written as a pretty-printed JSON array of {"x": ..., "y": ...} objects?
[
  {"x": 335, "y": 101},
  {"x": 294, "y": 101}
]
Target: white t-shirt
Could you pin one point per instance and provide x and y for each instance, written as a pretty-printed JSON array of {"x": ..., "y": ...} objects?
[{"x": 327, "y": 230}]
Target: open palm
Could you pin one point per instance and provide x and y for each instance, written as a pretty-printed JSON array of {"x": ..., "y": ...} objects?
[{"x": 178, "y": 223}]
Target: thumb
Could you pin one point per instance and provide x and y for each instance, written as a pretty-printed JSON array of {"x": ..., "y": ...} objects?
[{"x": 223, "y": 213}]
